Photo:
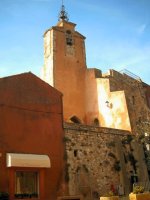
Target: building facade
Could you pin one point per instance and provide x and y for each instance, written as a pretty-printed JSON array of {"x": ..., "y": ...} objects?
[
  {"x": 104, "y": 109},
  {"x": 115, "y": 99},
  {"x": 31, "y": 134},
  {"x": 101, "y": 158}
]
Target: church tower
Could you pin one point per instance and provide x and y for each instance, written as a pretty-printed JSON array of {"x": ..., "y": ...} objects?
[
  {"x": 65, "y": 65},
  {"x": 89, "y": 97}
]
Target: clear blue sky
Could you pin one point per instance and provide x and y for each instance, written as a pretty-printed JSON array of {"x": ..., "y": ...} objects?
[{"x": 117, "y": 33}]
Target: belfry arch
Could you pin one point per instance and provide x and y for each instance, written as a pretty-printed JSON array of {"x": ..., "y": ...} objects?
[{"x": 75, "y": 120}]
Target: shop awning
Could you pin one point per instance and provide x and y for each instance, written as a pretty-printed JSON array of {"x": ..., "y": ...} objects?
[{"x": 27, "y": 160}]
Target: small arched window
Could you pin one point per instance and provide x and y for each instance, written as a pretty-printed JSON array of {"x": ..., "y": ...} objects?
[
  {"x": 75, "y": 120},
  {"x": 96, "y": 122},
  {"x": 75, "y": 153},
  {"x": 69, "y": 40}
]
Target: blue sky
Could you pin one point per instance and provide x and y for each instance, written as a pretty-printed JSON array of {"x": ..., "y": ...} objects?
[{"x": 117, "y": 33}]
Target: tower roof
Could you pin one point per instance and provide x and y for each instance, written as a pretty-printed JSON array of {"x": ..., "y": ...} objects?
[{"x": 63, "y": 15}]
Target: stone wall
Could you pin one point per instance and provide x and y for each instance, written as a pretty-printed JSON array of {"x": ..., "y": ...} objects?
[
  {"x": 96, "y": 160},
  {"x": 91, "y": 157},
  {"x": 135, "y": 93}
]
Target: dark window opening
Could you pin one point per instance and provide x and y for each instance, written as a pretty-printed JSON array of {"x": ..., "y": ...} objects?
[
  {"x": 75, "y": 120},
  {"x": 96, "y": 122},
  {"x": 68, "y": 32},
  {"x": 26, "y": 185},
  {"x": 69, "y": 40},
  {"x": 75, "y": 153},
  {"x": 133, "y": 100}
]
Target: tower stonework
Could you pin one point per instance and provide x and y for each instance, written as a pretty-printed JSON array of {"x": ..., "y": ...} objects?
[{"x": 65, "y": 66}]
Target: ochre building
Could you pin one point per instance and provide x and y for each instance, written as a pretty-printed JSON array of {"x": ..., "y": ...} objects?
[
  {"x": 115, "y": 99},
  {"x": 104, "y": 109},
  {"x": 31, "y": 134}
]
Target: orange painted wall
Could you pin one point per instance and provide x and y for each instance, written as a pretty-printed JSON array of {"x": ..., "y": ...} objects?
[
  {"x": 66, "y": 70},
  {"x": 31, "y": 122},
  {"x": 85, "y": 91},
  {"x": 91, "y": 97},
  {"x": 69, "y": 73},
  {"x": 115, "y": 113}
]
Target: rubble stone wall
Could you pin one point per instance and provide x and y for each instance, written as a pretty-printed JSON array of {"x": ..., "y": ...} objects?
[
  {"x": 92, "y": 159},
  {"x": 99, "y": 157}
]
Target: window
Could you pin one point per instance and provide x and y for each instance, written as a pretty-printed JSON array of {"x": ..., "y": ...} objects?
[
  {"x": 69, "y": 40},
  {"x": 133, "y": 100},
  {"x": 26, "y": 184},
  {"x": 75, "y": 153},
  {"x": 96, "y": 122},
  {"x": 75, "y": 120}
]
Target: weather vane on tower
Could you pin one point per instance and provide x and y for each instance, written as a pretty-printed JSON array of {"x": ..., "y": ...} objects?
[{"x": 63, "y": 15}]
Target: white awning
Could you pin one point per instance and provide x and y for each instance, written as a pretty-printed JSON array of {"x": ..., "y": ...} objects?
[{"x": 27, "y": 160}]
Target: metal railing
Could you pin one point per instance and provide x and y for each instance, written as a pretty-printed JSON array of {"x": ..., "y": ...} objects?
[{"x": 125, "y": 71}]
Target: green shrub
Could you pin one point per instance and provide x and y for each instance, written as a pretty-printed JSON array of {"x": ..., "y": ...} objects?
[{"x": 138, "y": 189}]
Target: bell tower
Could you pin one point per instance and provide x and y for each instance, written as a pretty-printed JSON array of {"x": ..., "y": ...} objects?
[{"x": 65, "y": 65}]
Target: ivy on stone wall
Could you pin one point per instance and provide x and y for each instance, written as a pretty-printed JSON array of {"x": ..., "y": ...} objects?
[
  {"x": 127, "y": 139},
  {"x": 67, "y": 173},
  {"x": 66, "y": 139},
  {"x": 129, "y": 157},
  {"x": 112, "y": 155},
  {"x": 110, "y": 144},
  {"x": 117, "y": 166}
]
